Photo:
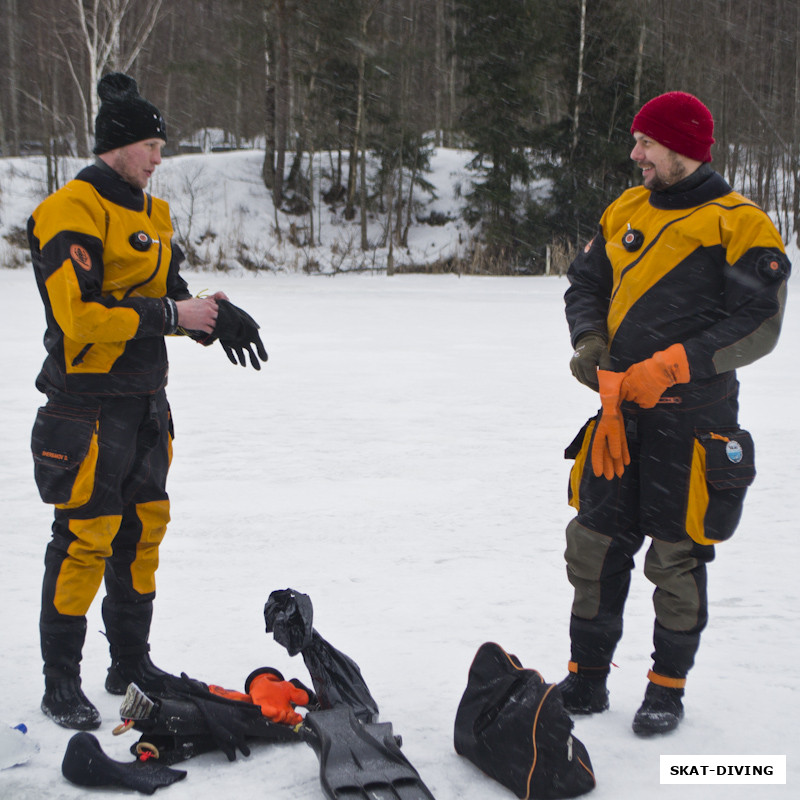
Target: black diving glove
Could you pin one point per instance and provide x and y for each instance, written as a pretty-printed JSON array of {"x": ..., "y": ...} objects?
[
  {"x": 237, "y": 332},
  {"x": 228, "y": 721}
]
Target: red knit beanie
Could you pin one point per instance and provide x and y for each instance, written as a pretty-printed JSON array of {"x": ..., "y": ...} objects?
[{"x": 680, "y": 122}]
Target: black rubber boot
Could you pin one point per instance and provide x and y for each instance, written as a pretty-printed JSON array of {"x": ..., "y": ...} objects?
[
  {"x": 138, "y": 669},
  {"x": 661, "y": 711},
  {"x": 584, "y": 691},
  {"x": 66, "y": 704},
  {"x": 64, "y": 701},
  {"x": 127, "y": 631}
]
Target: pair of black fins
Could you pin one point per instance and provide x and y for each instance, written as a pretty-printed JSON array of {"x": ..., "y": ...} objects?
[{"x": 359, "y": 757}]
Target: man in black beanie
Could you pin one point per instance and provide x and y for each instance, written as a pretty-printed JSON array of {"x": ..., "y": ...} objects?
[{"x": 108, "y": 274}]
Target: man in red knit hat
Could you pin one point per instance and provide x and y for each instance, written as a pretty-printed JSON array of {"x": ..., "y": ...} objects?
[{"x": 684, "y": 282}]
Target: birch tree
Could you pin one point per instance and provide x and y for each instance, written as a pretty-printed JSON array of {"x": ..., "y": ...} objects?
[
  {"x": 9, "y": 125},
  {"x": 100, "y": 24},
  {"x": 365, "y": 13}
]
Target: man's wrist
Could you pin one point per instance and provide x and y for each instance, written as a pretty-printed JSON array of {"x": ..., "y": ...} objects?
[{"x": 170, "y": 316}]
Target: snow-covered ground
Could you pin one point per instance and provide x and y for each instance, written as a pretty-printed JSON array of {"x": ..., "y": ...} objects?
[{"x": 399, "y": 459}]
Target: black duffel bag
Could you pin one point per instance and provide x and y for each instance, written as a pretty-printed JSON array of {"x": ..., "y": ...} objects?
[{"x": 512, "y": 725}]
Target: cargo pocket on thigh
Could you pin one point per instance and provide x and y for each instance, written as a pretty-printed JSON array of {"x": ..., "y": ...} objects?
[
  {"x": 64, "y": 443},
  {"x": 723, "y": 466},
  {"x": 579, "y": 451}
]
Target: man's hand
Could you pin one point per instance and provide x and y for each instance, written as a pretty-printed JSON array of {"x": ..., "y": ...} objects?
[
  {"x": 198, "y": 313},
  {"x": 591, "y": 353},
  {"x": 647, "y": 380},
  {"x": 237, "y": 332},
  {"x": 208, "y": 319}
]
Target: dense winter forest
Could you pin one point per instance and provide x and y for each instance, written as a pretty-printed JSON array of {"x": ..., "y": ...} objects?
[{"x": 542, "y": 92}]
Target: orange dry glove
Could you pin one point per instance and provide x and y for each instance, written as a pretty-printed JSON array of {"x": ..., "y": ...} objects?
[
  {"x": 647, "y": 380},
  {"x": 277, "y": 697},
  {"x": 610, "y": 447},
  {"x": 229, "y": 694}
]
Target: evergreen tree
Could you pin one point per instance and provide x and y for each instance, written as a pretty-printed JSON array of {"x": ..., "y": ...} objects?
[
  {"x": 586, "y": 153},
  {"x": 500, "y": 47}
]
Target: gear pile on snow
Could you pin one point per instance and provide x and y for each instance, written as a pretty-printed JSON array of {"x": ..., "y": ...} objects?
[
  {"x": 510, "y": 723},
  {"x": 359, "y": 757}
]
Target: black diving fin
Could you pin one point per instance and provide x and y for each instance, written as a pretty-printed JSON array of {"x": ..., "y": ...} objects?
[
  {"x": 85, "y": 764},
  {"x": 361, "y": 761}
]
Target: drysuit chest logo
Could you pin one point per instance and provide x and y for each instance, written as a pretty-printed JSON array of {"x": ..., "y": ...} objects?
[{"x": 80, "y": 256}]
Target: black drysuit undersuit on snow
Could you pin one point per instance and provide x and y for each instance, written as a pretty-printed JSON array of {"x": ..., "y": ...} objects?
[
  {"x": 109, "y": 277},
  {"x": 710, "y": 274}
]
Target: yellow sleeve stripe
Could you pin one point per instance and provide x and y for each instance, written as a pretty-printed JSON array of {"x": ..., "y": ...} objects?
[{"x": 84, "y": 321}]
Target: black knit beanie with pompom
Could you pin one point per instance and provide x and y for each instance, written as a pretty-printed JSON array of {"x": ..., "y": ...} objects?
[{"x": 125, "y": 116}]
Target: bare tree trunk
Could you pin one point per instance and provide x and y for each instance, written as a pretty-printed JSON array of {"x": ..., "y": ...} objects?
[
  {"x": 48, "y": 135},
  {"x": 10, "y": 143},
  {"x": 268, "y": 165},
  {"x": 389, "y": 233},
  {"x": 404, "y": 238},
  {"x": 281, "y": 99},
  {"x": 237, "y": 103},
  {"x": 349, "y": 211},
  {"x": 168, "y": 82},
  {"x": 363, "y": 197},
  {"x": 439, "y": 78},
  {"x": 452, "y": 82},
  {"x": 399, "y": 224},
  {"x": 637, "y": 79},
  {"x": 579, "y": 86},
  {"x": 311, "y": 190},
  {"x": 309, "y": 135},
  {"x": 4, "y": 150}
]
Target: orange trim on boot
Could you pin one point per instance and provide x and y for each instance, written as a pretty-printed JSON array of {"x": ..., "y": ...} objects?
[
  {"x": 575, "y": 667},
  {"x": 663, "y": 680}
]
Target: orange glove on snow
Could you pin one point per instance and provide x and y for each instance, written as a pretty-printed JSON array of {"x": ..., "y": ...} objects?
[
  {"x": 647, "y": 380},
  {"x": 610, "y": 447},
  {"x": 268, "y": 690},
  {"x": 277, "y": 697},
  {"x": 229, "y": 694}
]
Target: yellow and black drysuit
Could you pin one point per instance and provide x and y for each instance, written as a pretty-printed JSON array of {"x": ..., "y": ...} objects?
[
  {"x": 108, "y": 275},
  {"x": 706, "y": 268}
]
